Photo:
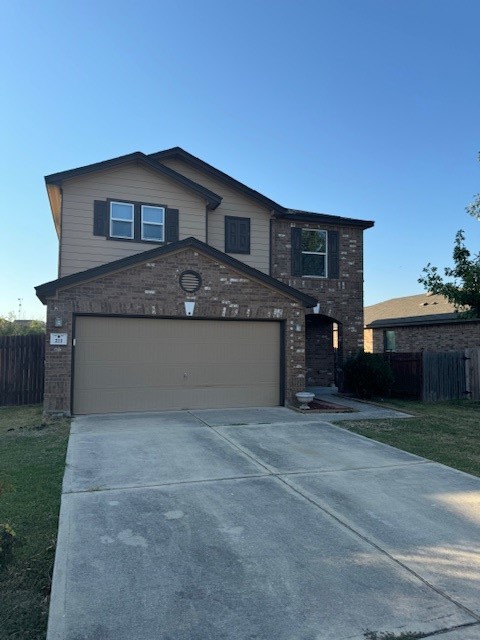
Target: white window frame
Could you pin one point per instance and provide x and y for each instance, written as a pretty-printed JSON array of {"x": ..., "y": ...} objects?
[
  {"x": 132, "y": 221},
  {"x": 156, "y": 224},
  {"x": 317, "y": 253}
]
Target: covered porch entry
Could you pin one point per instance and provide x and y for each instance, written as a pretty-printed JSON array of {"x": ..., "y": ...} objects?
[{"x": 323, "y": 351}]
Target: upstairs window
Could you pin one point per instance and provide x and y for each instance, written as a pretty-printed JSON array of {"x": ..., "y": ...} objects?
[
  {"x": 153, "y": 223},
  {"x": 135, "y": 221},
  {"x": 314, "y": 253},
  {"x": 121, "y": 220}
]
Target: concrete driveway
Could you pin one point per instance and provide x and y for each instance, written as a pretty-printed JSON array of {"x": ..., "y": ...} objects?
[{"x": 260, "y": 524}]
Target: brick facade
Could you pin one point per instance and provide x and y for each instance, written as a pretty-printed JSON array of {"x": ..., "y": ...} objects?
[
  {"x": 341, "y": 299},
  {"x": 429, "y": 337},
  {"x": 225, "y": 293},
  {"x": 320, "y": 355}
]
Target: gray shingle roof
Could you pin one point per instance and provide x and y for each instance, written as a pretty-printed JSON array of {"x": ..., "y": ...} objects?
[{"x": 421, "y": 308}]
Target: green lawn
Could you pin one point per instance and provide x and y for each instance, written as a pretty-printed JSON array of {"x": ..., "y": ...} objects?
[
  {"x": 447, "y": 432},
  {"x": 32, "y": 460}
]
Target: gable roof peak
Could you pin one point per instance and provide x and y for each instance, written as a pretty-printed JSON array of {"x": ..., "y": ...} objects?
[{"x": 48, "y": 289}]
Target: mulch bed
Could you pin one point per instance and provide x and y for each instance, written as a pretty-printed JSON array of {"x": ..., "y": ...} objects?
[{"x": 320, "y": 406}]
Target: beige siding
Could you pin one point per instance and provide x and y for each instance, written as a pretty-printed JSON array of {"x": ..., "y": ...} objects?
[
  {"x": 233, "y": 204},
  {"x": 81, "y": 250},
  {"x": 130, "y": 364}
]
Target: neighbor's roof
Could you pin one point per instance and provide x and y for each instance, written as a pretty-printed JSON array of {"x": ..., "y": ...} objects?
[{"x": 419, "y": 309}]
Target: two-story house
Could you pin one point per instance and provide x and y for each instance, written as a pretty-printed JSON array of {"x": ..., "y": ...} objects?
[{"x": 179, "y": 287}]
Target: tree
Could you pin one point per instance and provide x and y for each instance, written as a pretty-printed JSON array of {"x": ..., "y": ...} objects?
[
  {"x": 10, "y": 327},
  {"x": 464, "y": 290},
  {"x": 473, "y": 208}
]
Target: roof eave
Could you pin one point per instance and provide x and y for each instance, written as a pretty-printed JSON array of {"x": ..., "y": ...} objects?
[
  {"x": 326, "y": 219},
  {"x": 55, "y": 198},
  {"x": 178, "y": 152},
  {"x": 415, "y": 322}
]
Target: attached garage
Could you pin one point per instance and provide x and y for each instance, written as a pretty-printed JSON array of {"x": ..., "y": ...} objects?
[{"x": 151, "y": 364}]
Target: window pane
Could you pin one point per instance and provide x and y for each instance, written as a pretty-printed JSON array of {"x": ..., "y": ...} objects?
[
  {"x": 313, "y": 265},
  {"x": 121, "y": 211},
  {"x": 122, "y": 229},
  {"x": 389, "y": 340},
  {"x": 314, "y": 241},
  {"x": 152, "y": 232},
  {"x": 152, "y": 214}
]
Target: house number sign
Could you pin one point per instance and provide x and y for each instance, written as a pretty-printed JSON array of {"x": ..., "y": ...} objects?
[{"x": 58, "y": 338}]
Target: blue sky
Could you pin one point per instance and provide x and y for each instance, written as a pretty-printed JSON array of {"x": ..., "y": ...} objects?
[{"x": 359, "y": 108}]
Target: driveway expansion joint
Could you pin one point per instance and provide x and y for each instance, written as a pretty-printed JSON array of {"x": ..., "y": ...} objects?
[
  {"x": 341, "y": 522},
  {"x": 380, "y": 549},
  {"x": 461, "y": 627}
]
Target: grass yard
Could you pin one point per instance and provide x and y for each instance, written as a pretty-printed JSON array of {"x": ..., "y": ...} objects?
[
  {"x": 32, "y": 460},
  {"x": 447, "y": 432}
]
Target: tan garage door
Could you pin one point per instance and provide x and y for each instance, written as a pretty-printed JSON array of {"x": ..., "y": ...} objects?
[{"x": 126, "y": 364}]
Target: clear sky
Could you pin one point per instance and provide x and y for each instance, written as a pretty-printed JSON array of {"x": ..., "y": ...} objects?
[{"x": 358, "y": 108}]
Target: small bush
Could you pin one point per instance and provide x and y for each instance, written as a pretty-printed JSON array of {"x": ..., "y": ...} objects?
[
  {"x": 368, "y": 375},
  {"x": 8, "y": 538}
]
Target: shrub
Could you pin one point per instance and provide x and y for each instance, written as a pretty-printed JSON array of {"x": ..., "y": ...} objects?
[
  {"x": 8, "y": 538},
  {"x": 368, "y": 375}
]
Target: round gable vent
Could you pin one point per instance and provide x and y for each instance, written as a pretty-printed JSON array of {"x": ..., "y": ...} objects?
[{"x": 190, "y": 281}]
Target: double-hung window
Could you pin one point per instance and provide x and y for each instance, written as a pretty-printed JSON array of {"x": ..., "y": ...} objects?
[
  {"x": 314, "y": 253},
  {"x": 135, "y": 221},
  {"x": 153, "y": 223},
  {"x": 121, "y": 220}
]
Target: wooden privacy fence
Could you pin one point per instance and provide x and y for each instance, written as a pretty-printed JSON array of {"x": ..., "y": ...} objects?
[
  {"x": 408, "y": 374},
  {"x": 432, "y": 376},
  {"x": 21, "y": 369}
]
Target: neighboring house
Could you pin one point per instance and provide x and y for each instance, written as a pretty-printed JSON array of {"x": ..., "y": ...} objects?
[
  {"x": 417, "y": 323},
  {"x": 180, "y": 287}
]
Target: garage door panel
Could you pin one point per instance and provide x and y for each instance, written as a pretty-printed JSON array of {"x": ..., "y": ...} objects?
[
  {"x": 146, "y": 400},
  {"x": 102, "y": 376},
  {"x": 180, "y": 352},
  {"x": 125, "y": 364}
]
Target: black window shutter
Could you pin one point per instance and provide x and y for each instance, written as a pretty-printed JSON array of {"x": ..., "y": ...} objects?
[
  {"x": 244, "y": 239},
  {"x": 237, "y": 234},
  {"x": 333, "y": 255},
  {"x": 100, "y": 218},
  {"x": 296, "y": 251},
  {"x": 230, "y": 234},
  {"x": 171, "y": 225}
]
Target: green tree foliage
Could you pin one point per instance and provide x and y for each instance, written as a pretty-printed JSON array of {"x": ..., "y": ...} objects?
[
  {"x": 11, "y": 327},
  {"x": 473, "y": 208},
  {"x": 464, "y": 290}
]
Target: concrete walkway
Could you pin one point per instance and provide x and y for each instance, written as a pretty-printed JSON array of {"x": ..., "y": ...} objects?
[{"x": 260, "y": 524}]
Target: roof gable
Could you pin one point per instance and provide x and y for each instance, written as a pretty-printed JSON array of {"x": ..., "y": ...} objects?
[
  {"x": 188, "y": 158},
  {"x": 278, "y": 210},
  {"x": 213, "y": 199},
  {"x": 48, "y": 289}
]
